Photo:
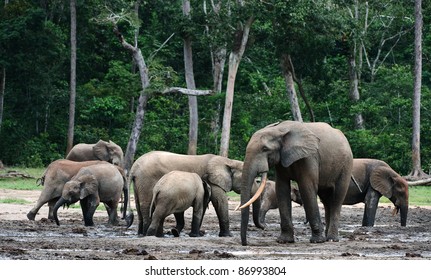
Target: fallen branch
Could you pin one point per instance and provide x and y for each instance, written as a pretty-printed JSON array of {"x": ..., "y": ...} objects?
[
  {"x": 15, "y": 174},
  {"x": 194, "y": 92},
  {"x": 422, "y": 182}
]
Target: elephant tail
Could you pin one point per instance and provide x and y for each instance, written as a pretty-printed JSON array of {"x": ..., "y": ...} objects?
[{"x": 153, "y": 204}]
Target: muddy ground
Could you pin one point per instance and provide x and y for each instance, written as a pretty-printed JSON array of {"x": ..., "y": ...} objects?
[{"x": 42, "y": 239}]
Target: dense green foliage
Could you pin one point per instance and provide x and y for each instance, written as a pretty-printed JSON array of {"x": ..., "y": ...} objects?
[{"x": 34, "y": 50}]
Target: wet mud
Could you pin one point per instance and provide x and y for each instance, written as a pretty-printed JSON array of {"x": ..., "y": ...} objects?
[{"x": 42, "y": 239}]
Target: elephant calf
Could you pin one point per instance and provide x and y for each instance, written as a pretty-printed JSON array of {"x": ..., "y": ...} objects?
[
  {"x": 53, "y": 179},
  {"x": 374, "y": 178},
  {"x": 92, "y": 185},
  {"x": 102, "y": 150},
  {"x": 268, "y": 200},
  {"x": 174, "y": 193}
]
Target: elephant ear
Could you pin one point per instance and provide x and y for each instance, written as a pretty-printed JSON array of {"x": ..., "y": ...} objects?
[
  {"x": 382, "y": 180},
  {"x": 219, "y": 173},
  {"x": 100, "y": 150},
  {"x": 88, "y": 186},
  {"x": 297, "y": 142}
]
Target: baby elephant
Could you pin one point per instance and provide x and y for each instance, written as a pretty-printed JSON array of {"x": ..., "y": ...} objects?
[
  {"x": 268, "y": 200},
  {"x": 174, "y": 193},
  {"x": 92, "y": 185}
]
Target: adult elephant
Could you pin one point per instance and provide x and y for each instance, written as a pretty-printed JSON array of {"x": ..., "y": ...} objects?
[
  {"x": 221, "y": 173},
  {"x": 174, "y": 193},
  {"x": 316, "y": 156},
  {"x": 102, "y": 150},
  {"x": 90, "y": 186},
  {"x": 53, "y": 179},
  {"x": 375, "y": 178},
  {"x": 372, "y": 179}
]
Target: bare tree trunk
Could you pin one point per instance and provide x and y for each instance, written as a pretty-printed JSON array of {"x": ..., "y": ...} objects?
[
  {"x": 218, "y": 63},
  {"x": 416, "y": 155},
  {"x": 2, "y": 92},
  {"x": 142, "y": 101},
  {"x": 70, "y": 131},
  {"x": 234, "y": 60},
  {"x": 290, "y": 86},
  {"x": 190, "y": 81},
  {"x": 354, "y": 89}
]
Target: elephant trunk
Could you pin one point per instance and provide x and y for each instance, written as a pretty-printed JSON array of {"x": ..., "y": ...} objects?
[
  {"x": 403, "y": 214},
  {"x": 57, "y": 205},
  {"x": 249, "y": 174}
]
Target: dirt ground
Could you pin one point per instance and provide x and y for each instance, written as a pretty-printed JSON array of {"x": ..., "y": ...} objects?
[{"x": 42, "y": 239}]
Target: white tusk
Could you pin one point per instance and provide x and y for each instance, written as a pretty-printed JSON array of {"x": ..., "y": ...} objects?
[{"x": 257, "y": 194}]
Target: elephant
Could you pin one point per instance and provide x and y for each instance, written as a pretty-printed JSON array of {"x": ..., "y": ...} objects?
[
  {"x": 372, "y": 179},
  {"x": 175, "y": 192},
  {"x": 102, "y": 150},
  {"x": 376, "y": 178},
  {"x": 315, "y": 155},
  {"x": 53, "y": 179},
  {"x": 221, "y": 173},
  {"x": 268, "y": 200},
  {"x": 90, "y": 186}
]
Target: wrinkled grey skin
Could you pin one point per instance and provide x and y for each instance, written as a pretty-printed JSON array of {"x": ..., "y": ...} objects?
[
  {"x": 92, "y": 185},
  {"x": 53, "y": 179},
  {"x": 316, "y": 156},
  {"x": 102, "y": 150},
  {"x": 174, "y": 193},
  {"x": 374, "y": 177},
  {"x": 222, "y": 174}
]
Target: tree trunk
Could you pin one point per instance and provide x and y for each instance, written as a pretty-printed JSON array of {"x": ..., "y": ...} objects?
[
  {"x": 142, "y": 101},
  {"x": 218, "y": 63},
  {"x": 70, "y": 131},
  {"x": 290, "y": 86},
  {"x": 354, "y": 89},
  {"x": 416, "y": 156},
  {"x": 234, "y": 60},
  {"x": 2, "y": 92},
  {"x": 190, "y": 81}
]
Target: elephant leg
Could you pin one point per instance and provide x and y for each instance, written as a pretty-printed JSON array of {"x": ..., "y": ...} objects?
[
  {"x": 196, "y": 221},
  {"x": 371, "y": 202},
  {"x": 308, "y": 191},
  {"x": 51, "y": 204},
  {"x": 88, "y": 210},
  {"x": 220, "y": 203},
  {"x": 179, "y": 218},
  {"x": 285, "y": 209},
  {"x": 31, "y": 215},
  {"x": 333, "y": 200},
  {"x": 111, "y": 208},
  {"x": 258, "y": 220},
  {"x": 157, "y": 221}
]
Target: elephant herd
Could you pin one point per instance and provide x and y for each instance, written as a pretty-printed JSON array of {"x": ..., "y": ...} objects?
[{"x": 310, "y": 160}]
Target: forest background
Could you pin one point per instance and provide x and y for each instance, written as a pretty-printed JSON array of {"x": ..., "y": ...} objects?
[{"x": 335, "y": 48}]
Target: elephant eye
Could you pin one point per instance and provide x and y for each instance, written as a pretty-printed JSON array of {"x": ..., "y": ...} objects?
[{"x": 265, "y": 149}]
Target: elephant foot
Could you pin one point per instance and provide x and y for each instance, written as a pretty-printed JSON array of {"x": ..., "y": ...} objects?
[
  {"x": 317, "y": 239},
  {"x": 225, "y": 233},
  {"x": 199, "y": 234},
  {"x": 175, "y": 232},
  {"x": 89, "y": 224},
  {"x": 129, "y": 219},
  {"x": 332, "y": 239},
  {"x": 31, "y": 216},
  {"x": 285, "y": 238}
]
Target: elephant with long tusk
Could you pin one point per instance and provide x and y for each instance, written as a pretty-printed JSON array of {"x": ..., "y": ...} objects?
[{"x": 316, "y": 156}]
